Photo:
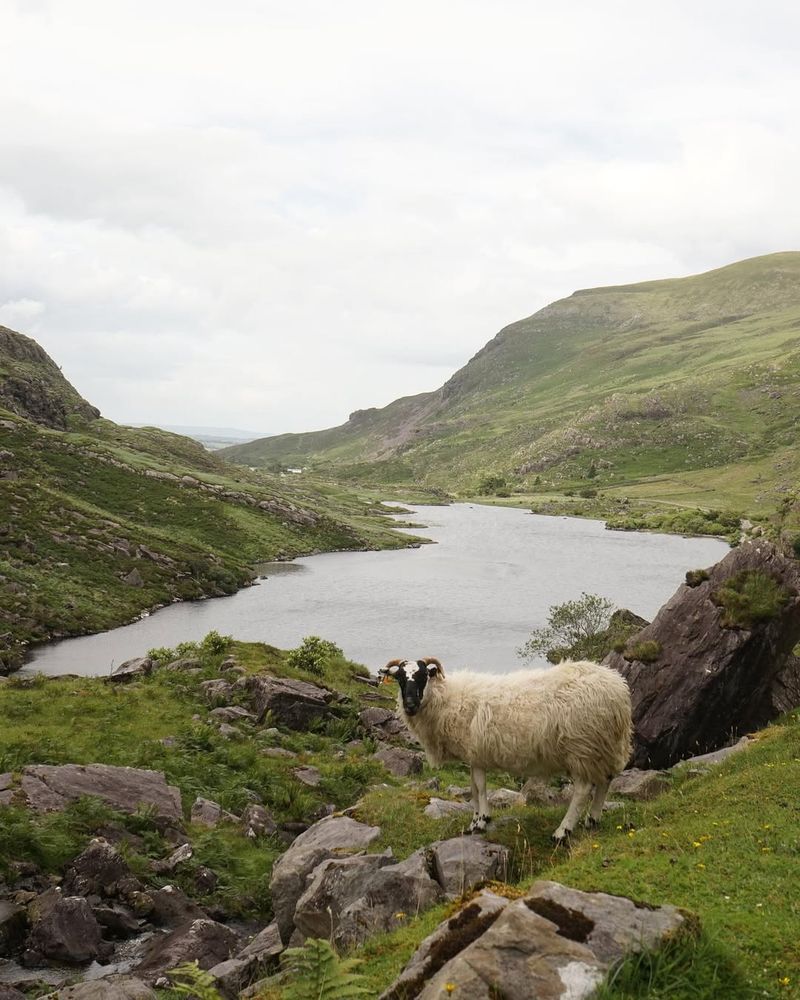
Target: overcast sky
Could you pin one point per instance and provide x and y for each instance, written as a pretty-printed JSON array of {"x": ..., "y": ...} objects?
[{"x": 266, "y": 215}]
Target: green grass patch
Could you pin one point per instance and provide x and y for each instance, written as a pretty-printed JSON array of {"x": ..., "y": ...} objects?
[{"x": 749, "y": 597}]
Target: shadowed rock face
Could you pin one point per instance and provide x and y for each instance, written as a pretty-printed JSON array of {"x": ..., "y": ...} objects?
[{"x": 708, "y": 680}]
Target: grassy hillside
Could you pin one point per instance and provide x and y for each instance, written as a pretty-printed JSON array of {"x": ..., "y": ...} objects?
[
  {"x": 644, "y": 387},
  {"x": 724, "y": 845},
  {"x": 100, "y": 522}
]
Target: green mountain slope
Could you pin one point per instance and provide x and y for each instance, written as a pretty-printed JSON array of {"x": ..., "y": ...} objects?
[
  {"x": 623, "y": 384},
  {"x": 99, "y": 522}
]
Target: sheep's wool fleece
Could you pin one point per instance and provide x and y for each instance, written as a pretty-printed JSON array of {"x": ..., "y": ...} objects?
[{"x": 573, "y": 718}]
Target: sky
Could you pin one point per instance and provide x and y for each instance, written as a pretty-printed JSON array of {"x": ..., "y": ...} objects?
[{"x": 267, "y": 215}]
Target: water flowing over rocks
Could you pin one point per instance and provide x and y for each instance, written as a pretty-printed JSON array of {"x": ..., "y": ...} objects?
[
  {"x": 706, "y": 678},
  {"x": 555, "y": 943}
]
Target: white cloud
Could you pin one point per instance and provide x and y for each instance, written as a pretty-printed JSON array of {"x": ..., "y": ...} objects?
[{"x": 268, "y": 215}]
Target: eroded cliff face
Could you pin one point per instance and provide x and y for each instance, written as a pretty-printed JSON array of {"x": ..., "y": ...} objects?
[
  {"x": 716, "y": 661},
  {"x": 32, "y": 386}
]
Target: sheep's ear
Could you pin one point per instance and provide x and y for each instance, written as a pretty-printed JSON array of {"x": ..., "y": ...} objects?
[
  {"x": 389, "y": 671},
  {"x": 434, "y": 667}
]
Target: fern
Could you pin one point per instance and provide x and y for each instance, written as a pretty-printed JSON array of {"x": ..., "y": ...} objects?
[
  {"x": 318, "y": 973},
  {"x": 197, "y": 983}
]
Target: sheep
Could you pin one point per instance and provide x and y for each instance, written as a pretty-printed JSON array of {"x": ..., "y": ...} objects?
[{"x": 573, "y": 719}]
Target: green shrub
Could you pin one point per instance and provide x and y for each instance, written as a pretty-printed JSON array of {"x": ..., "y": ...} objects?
[
  {"x": 214, "y": 643},
  {"x": 645, "y": 652},
  {"x": 750, "y": 597},
  {"x": 571, "y": 628},
  {"x": 313, "y": 654},
  {"x": 694, "y": 577},
  {"x": 796, "y": 546},
  {"x": 317, "y": 973}
]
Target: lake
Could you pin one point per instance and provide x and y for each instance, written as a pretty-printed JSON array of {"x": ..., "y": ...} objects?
[{"x": 470, "y": 600}]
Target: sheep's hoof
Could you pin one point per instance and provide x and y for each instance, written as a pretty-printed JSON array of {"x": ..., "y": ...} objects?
[
  {"x": 479, "y": 824},
  {"x": 561, "y": 839},
  {"x": 592, "y": 823}
]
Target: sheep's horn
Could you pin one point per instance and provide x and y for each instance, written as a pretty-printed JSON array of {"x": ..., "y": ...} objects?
[
  {"x": 432, "y": 661},
  {"x": 391, "y": 663}
]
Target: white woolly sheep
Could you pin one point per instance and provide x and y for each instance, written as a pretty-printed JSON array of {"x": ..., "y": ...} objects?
[{"x": 573, "y": 719}]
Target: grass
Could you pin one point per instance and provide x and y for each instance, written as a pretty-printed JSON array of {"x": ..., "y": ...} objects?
[
  {"x": 149, "y": 724},
  {"x": 749, "y": 597},
  {"x": 637, "y": 391}
]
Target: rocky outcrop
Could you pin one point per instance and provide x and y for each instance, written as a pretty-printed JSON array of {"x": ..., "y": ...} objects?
[
  {"x": 290, "y": 703},
  {"x": 332, "y": 836},
  {"x": 13, "y": 923},
  {"x": 399, "y": 761},
  {"x": 204, "y": 941},
  {"x": 50, "y": 787},
  {"x": 130, "y": 670},
  {"x": 711, "y": 665},
  {"x": 64, "y": 928},
  {"x": 461, "y": 863},
  {"x": 554, "y": 943}
]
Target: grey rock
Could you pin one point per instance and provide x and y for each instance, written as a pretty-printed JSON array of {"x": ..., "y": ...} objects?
[
  {"x": 231, "y": 713},
  {"x": 116, "y": 919},
  {"x": 308, "y": 776},
  {"x": 216, "y": 691},
  {"x": 133, "y": 579},
  {"x": 257, "y": 821},
  {"x": 441, "y": 808},
  {"x": 13, "y": 924},
  {"x": 469, "y": 923},
  {"x": 640, "y": 785},
  {"x": 707, "y": 760},
  {"x": 168, "y": 865},
  {"x": 183, "y": 663},
  {"x": 384, "y": 723},
  {"x": 399, "y": 761},
  {"x": 9, "y": 993},
  {"x": 6, "y": 787},
  {"x": 171, "y": 907},
  {"x": 50, "y": 787},
  {"x": 278, "y": 752},
  {"x": 505, "y": 798},
  {"x": 459, "y": 792},
  {"x": 111, "y": 988},
  {"x": 331, "y": 888},
  {"x": 266, "y": 944},
  {"x": 206, "y": 812},
  {"x": 130, "y": 670},
  {"x": 540, "y": 793},
  {"x": 553, "y": 944},
  {"x": 64, "y": 928},
  {"x": 97, "y": 871},
  {"x": 233, "y": 975},
  {"x": 330, "y": 837},
  {"x": 204, "y": 941},
  {"x": 289, "y": 702},
  {"x": 228, "y": 731},
  {"x": 396, "y": 893},
  {"x": 712, "y": 680},
  {"x": 461, "y": 863}
]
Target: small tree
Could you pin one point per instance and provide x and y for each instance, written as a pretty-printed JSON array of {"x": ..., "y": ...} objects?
[{"x": 568, "y": 625}]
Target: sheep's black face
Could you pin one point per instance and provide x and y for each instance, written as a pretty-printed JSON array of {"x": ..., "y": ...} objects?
[{"x": 412, "y": 676}]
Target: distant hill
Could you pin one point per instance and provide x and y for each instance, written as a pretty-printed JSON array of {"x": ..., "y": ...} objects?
[
  {"x": 625, "y": 385},
  {"x": 212, "y": 438},
  {"x": 99, "y": 522}
]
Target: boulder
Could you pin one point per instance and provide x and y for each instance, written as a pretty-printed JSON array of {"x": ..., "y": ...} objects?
[
  {"x": 112, "y": 988},
  {"x": 266, "y": 944},
  {"x": 178, "y": 857},
  {"x": 206, "y": 812},
  {"x": 117, "y": 920},
  {"x": 308, "y": 776},
  {"x": 231, "y": 713},
  {"x": 704, "y": 761},
  {"x": 13, "y": 923},
  {"x": 554, "y": 943},
  {"x": 640, "y": 785},
  {"x": 331, "y": 888},
  {"x": 50, "y": 787},
  {"x": 6, "y": 788},
  {"x": 461, "y": 863},
  {"x": 441, "y": 808},
  {"x": 64, "y": 928},
  {"x": 171, "y": 907},
  {"x": 452, "y": 934},
  {"x": 713, "y": 660},
  {"x": 97, "y": 871},
  {"x": 134, "y": 578},
  {"x": 216, "y": 691},
  {"x": 397, "y": 893},
  {"x": 505, "y": 798},
  {"x": 257, "y": 821},
  {"x": 538, "y": 792},
  {"x": 399, "y": 761},
  {"x": 204, "y": 941},
  {"x": 383, "y": 723},
  {"x": 130, "y": 670},
  {"x": 330, "y": 837},
  {"x": 289, "y": 702}
]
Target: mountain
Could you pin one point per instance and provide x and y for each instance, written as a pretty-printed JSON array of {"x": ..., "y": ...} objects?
[
  {"x": 630, "y": 384},
  {"x": 99, "y": 522}
]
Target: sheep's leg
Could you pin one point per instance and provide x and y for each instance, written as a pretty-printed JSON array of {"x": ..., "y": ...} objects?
[
  {"x": 580, "y": 796},
  {"x": 480, "y": 804},
  {"x": 596, "y": 809}
]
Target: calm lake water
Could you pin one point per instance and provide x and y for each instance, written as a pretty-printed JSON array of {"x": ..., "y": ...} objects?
[{"x": 469, "y": 600}]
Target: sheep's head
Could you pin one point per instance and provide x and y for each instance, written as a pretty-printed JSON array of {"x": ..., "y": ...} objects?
[{"x": 413, "y": 677}]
